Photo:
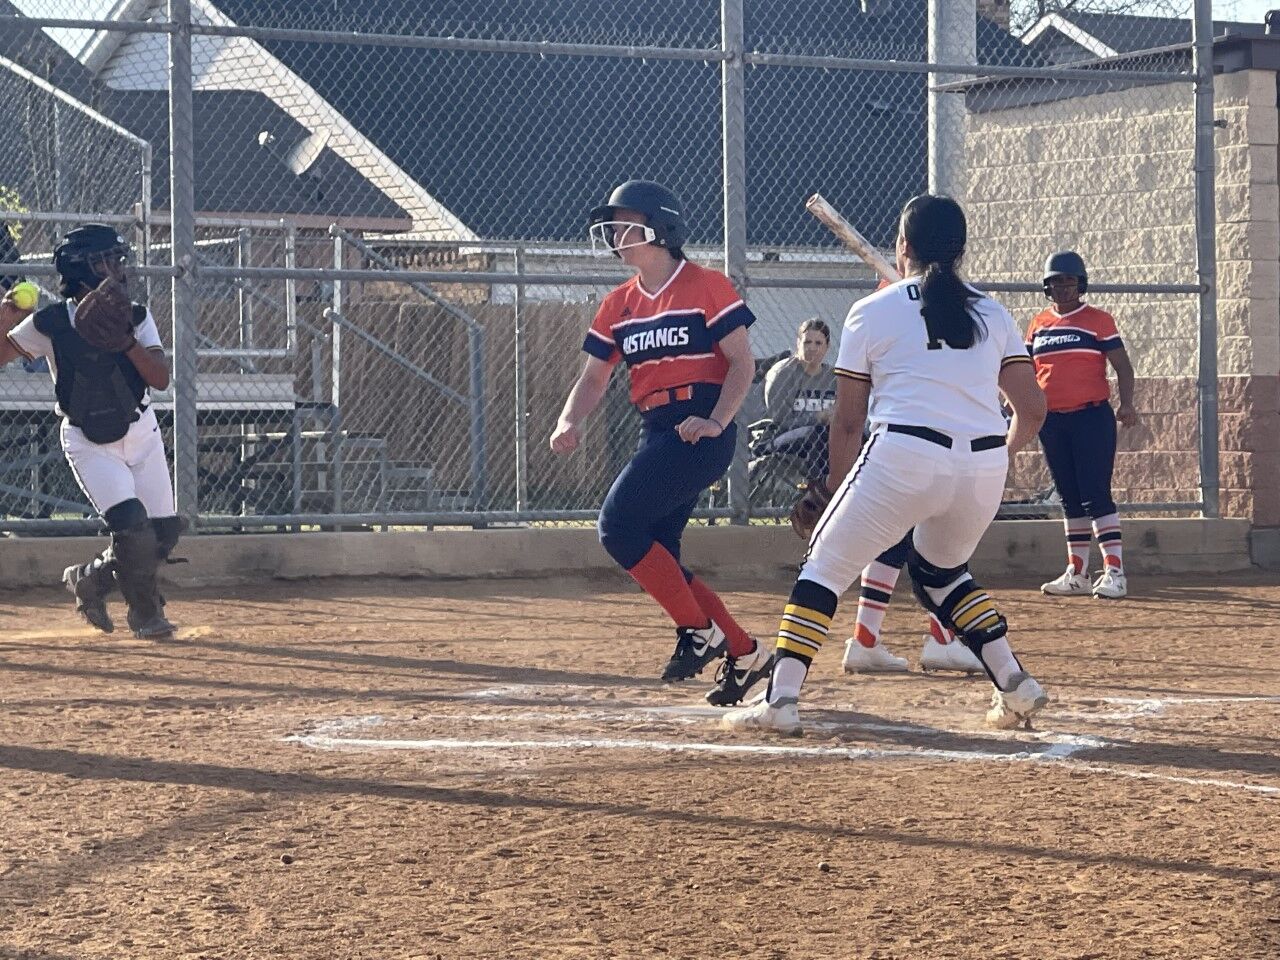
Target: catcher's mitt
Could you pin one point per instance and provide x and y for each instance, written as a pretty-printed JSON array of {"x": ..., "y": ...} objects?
[
  {"x": 805, "y": 514},
  {"x": 104, "y": 317}
]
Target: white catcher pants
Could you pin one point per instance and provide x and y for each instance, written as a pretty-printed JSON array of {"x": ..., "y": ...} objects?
[
  {"x": 133, "y": 466},
  {"x": 898, "y": 482}
]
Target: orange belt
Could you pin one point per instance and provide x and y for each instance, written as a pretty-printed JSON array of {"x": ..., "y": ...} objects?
[{"x": 660, "y": 398}]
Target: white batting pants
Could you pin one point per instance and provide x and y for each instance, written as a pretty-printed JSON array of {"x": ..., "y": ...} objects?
[
  {"x": 133, "y": 466},
  {"x": 950, "y": 496}
]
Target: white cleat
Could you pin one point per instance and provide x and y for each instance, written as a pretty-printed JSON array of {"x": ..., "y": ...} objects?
[
  {"x": 877, "y": 659},
  {"x": 781, "y": 716},
  {"x": 953, "y": 656},
  {"x": 1070, "y": 584},
  {"x": 1111, "y": 585},
  {"x": 1014, "y": 707}
]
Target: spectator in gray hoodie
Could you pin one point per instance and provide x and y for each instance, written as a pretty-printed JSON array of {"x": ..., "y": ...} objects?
[{"x": 799, "y": 393}]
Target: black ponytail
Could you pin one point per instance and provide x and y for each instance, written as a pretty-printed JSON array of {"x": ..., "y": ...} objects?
[{"x": 935, "y": 229}]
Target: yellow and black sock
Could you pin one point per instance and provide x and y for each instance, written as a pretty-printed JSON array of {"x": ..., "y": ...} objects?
[
  {"x": 805, "y": 623},
  {"x": 974, "y": 611}
]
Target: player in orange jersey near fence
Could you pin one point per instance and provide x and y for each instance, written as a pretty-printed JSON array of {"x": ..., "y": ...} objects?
[{"x": 1071, "y": 344}]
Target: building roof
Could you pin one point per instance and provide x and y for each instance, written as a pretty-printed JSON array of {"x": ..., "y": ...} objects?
[
  {"x": 233, "y": 174},
  {"x": 1071, "y": 36},
  {"x": 1159, "y": 45},
  {"x": 517, "y": 146},
  {"x": 1124, "y": 33}
]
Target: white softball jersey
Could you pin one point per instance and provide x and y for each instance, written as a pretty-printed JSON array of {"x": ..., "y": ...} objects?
[{"x": 913, "y": 382}]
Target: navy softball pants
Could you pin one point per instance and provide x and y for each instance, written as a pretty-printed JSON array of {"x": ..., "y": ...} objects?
[
  {"x": 1080, "y": 449},
  {"x": 655, "y": 494}
]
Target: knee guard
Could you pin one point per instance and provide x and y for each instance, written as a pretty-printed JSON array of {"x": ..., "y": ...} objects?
[
  {"x": 168, "y": 530},
  {"x": 966, "y": 609},
  {"x": 896, "y": 555},
  {"x": 125, "y": 515}
]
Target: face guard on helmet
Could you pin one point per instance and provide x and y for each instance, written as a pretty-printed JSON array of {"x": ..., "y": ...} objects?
[
  {"x": 92, "y": 253},
  {"x": 617, "y": 235},
  {"x": 663, "y": 225}
]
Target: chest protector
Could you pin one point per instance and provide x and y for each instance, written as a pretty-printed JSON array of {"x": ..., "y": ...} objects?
[{"x": 99, "y": 392}]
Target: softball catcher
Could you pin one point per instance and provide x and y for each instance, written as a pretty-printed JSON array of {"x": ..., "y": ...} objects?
[{"x": 104, "y": 352}]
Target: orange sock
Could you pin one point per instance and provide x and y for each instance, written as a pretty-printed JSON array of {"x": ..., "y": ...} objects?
[
  {"x": 740, "y": 642},
  {"x": 661, "y": 577}
]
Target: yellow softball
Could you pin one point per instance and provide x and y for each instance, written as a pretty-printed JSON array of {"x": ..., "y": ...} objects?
[{"x": 25, "y": 296}]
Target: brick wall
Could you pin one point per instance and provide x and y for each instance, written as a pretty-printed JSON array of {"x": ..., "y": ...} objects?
[{"x": 1110, "y": 174}]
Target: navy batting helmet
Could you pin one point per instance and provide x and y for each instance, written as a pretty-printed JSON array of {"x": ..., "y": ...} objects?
[
  {"x": 1065, "y": 263},
  {"x": 88, "y": 253},
  {"x": 662, "y": 210}
]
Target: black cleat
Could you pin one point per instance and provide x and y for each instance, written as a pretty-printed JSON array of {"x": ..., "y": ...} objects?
[
  {"x": 737, "y": 675},
  {"x": 156, "y": 628},
  {"x": 89, "y": 602},
  {"x": 694, "y": 650}
]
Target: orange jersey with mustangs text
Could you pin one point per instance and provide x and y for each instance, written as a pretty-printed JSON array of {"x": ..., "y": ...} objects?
[
  {"x": 1070, "y": 354},
  {"x": 669, "y": 338}
]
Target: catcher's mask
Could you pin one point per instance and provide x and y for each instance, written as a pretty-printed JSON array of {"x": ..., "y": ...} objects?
[
  {"x": 664, "y": 224},
  {"x": 90, "y": 254}
]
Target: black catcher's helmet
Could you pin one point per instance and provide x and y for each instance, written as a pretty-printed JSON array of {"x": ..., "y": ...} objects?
[
  {"x": 90, "y": 253},
  {"x": 662, "y": 209},
  {"x": 1066, "y": 263}
]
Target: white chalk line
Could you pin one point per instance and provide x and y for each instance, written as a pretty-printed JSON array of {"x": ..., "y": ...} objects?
[
  {"x": 1059, "y": 747},
  {"x": 1059, "y": 753},
  {"x": 1136, "y": 706},
  {"x": 1173, "y": 778},
  {"x": 1061, "y": 744},
  {"x": 661, "y": 746},
  {"x": 1154, "y": 706}
]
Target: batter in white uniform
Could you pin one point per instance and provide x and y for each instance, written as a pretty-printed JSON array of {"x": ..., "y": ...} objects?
[
  {"x": 932, "y": 355},
  {"x": 109, "y": 433}
]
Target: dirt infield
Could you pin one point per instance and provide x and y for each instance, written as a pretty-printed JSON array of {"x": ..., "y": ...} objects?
[{"x": 356, "y": 769}]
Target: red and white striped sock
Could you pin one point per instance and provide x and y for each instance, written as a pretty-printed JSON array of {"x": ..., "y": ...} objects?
[
  {"x": 939, "y": 632},
  {"x": 1107, "y": 530},
  {"x": 878, "y": 581},
  {"x": 1078, "y": 541}
]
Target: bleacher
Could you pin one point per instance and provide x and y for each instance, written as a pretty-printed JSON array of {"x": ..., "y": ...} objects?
[{"x": 262, "y": 451}]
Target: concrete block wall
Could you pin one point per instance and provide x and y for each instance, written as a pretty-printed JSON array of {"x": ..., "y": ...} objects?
[
  {"x": 1110, "y": 174},
  {"x": 1012, "y": 549}
]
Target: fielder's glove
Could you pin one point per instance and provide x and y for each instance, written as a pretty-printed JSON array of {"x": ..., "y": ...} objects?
[
  {"x": 805, "y": 514},
  {"x": 104, "y": 318}
]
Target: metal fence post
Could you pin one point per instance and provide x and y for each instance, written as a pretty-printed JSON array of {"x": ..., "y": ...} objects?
[
  {"x": 182, "y": 207},
  {"x": 733, "y": 129},
  {"x": 522, "y": 399},
  {"x": 144, "y": 213},
  {"x": 335, "y": 376},
  {"x": 953, "y": 38},
  {"x": 290, "y": 286},
  {"x": 1206, "y": 256},
  {"x": 244, "y": 302}
]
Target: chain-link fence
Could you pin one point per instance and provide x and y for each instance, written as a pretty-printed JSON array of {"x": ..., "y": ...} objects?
[{"x": 361, "y": 227}]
